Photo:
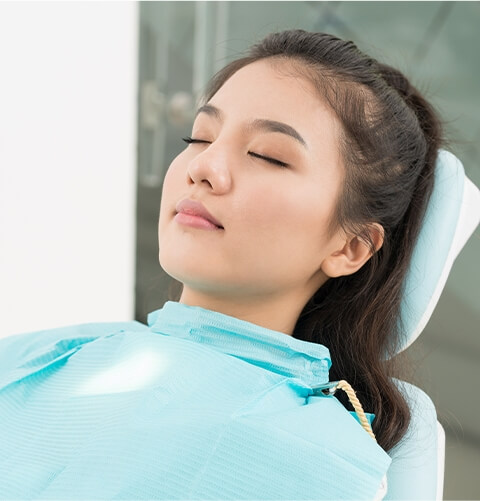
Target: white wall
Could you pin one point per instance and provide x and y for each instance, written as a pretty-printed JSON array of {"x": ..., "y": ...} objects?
[{"x": 68, "y": 85}]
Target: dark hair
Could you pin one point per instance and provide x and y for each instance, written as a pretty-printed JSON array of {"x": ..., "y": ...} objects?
[{"x": 389, "y": 143}]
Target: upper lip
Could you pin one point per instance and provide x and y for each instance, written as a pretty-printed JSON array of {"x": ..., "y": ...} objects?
[{"x": 196, "y": 208}]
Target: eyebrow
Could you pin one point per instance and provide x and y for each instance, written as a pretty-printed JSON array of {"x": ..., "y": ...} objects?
[{"x": 257, "y": 124}]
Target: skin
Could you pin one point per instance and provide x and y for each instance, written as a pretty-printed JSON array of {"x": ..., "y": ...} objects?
[{"x": 274, "y": 251}]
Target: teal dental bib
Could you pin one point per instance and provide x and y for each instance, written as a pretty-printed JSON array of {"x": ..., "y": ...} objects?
[{"x": 198, "y": 405}]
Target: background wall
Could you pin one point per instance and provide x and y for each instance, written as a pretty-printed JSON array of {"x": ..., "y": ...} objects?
[{"x": 67, "y": 163}]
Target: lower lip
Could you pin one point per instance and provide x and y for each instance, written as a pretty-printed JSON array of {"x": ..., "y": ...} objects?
[{"x": 195, "y": 221}]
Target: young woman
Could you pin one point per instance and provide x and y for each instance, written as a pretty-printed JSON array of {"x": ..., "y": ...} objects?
[
  {"x": 290, "y": 219},
  {"x": 317, "y": 163}
]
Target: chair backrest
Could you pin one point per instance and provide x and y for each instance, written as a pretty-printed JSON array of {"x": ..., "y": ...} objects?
[{"x": 451, "y": 217}]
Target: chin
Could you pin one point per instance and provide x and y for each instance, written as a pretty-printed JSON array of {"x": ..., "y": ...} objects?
[{"x": 177, "y": 269}]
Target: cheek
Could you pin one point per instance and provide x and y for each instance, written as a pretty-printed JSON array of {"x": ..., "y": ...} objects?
[
  {"x": 174, "y": 173},
  {"x": 170, "y": 195},
  {"x": 289, "y": 227},
  {"x": 289, "y": 212},
  {"x": 172, "y": 184}
]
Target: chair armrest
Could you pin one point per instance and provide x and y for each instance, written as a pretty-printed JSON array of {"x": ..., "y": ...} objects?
[{"x": 414, "y": 472}]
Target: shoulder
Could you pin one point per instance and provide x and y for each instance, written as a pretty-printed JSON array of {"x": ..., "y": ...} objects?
[
  {"x": 70, "y": 331},
  {"x": 19, "y": 349}
]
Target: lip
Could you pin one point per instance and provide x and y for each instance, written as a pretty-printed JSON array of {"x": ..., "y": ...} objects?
[{"x": 198, "y": 210}]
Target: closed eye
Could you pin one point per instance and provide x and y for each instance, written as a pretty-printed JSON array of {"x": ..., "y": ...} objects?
[
  {"x": 191, "y": 140},
  {"x": 268, "y": 159}
]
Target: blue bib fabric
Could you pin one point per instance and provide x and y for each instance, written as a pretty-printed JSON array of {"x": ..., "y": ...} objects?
[{"x": 196, "y": 405}]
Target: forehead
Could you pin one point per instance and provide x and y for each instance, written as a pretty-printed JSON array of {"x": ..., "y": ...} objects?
[{"x": 271, "y": 85}]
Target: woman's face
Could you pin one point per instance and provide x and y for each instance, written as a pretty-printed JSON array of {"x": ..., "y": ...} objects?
[{"x": 274, "y": 217}]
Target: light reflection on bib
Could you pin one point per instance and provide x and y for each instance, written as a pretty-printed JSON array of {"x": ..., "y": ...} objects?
[{"x": 134, "y": 373}]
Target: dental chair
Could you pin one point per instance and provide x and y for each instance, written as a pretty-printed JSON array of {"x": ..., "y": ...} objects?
[{"x": 453, "y": 213}]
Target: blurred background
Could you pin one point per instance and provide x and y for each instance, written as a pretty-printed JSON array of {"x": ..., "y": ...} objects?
[{"x": 94, "y": 100}]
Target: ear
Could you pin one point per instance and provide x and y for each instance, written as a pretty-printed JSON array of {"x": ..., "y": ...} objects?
[{"x": 353, "y": 254}]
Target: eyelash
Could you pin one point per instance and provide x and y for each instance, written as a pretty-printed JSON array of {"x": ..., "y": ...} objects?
[{"x": 190, "y": 140}]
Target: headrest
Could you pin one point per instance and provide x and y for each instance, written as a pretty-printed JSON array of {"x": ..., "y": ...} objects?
[{"x": 451, "y": 217}]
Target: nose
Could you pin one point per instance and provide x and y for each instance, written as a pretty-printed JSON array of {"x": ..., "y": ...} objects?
[{"x": 211, "y": 168}]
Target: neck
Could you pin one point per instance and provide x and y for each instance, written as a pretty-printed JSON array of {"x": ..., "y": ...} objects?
[{"x": 275, "y": 313}]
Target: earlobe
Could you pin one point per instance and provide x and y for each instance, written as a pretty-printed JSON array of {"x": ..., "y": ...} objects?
[{"x": 354, "y": 254}]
